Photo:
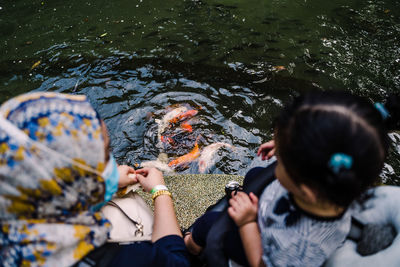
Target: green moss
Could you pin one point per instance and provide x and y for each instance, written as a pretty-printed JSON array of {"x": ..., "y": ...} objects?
[{"x": 193, "y": 193}]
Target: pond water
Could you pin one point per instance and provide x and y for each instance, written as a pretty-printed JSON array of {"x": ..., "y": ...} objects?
[{"x": 236, "y": 62}]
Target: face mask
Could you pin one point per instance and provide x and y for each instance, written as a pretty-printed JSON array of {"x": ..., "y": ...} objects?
[
  {"x": 111, "y": 178},
  {"x": 111, "y": 169}
]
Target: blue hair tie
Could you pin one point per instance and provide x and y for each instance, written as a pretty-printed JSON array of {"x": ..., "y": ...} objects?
[
  {"x": 381, "y": 108},
  {"x": 339, "y": 161}
]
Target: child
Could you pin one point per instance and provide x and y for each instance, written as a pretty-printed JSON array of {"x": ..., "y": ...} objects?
[{"x": 330, "y": 147}]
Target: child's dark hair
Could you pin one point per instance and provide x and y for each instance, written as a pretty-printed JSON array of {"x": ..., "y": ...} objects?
[{"x": 319, "y": 125}]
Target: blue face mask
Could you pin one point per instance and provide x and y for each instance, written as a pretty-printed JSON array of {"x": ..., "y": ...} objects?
[{"x": 111, "y": 178}]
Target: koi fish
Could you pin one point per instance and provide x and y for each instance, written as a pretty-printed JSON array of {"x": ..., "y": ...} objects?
[
  {"x": 164, "y": 122},
  {"x": 184, "y": 115},
  {"x": 157, "y": 164},
  {"x": 192, "y": 155},
  {"x": 206, "y": 158}
]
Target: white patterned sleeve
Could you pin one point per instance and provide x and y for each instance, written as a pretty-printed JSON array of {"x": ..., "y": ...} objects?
[{"x": 292, "y": 250}]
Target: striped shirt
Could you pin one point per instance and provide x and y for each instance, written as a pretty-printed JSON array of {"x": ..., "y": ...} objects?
[{"x": 292, "y": 237}]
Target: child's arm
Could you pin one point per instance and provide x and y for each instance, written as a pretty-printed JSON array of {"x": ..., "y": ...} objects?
[
  {"x": 266, "y": 150},
  {"x": 251, "y": 240},
  {"x": 243, "y": 211}
]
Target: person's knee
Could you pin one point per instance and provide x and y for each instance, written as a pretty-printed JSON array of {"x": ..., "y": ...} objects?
[
  {"x": 202, "y": 226},
  {"x": 191, "y": 245}
]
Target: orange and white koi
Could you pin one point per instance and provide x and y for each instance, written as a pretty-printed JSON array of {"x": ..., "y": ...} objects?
[
  {"x": 184, "y": 115},
  {"x": 189, "y": 157},
  {"x": 164, "y": 122},
  {"x": 206, "y": 158}
]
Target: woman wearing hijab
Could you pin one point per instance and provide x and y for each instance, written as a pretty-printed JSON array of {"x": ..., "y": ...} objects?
[{"x": 55, "y": 174}]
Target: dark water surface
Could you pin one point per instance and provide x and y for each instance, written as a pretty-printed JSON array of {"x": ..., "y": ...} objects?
[{"x": 236, "y": 62}]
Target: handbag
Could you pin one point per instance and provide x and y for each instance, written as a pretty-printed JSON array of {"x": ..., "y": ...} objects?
[{"x": 130, "y": 216}]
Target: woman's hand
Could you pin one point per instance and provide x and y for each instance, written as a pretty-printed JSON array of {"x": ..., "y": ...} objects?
[
  {"x": 125, "y": 176},
  {"x": 149, "y": 178},
  {"x": 243, "y": 208},
  {"x": 266, "y": 150},
  {"x": 165, "y": 222}
]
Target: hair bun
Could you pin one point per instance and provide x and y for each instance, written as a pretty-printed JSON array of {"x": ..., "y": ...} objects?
[{"x": 344, "y": 187}]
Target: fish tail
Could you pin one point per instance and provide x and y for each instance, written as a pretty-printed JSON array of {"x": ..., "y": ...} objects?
[
  {"x": 192, "y": 155},
  {"x": 230, "y": 146}
]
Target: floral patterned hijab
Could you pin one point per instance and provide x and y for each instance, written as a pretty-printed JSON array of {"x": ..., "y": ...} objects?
[{"x": 51, "y": 159}]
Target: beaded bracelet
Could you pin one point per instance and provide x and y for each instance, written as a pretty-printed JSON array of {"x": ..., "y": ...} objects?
[
  {"x": 159, "y": 193},
  {"x": 157, "y": 188}
]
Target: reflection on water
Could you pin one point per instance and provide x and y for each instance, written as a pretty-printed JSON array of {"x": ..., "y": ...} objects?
[{"x": 238, "y": 61}]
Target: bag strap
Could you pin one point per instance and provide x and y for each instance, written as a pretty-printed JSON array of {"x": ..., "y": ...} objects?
[
  {"x": 138, "y": 225},
  {"x": 214, "y": 249}
]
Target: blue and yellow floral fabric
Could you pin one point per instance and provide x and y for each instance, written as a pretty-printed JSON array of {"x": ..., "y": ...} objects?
[{"x": 49, "y": 183}]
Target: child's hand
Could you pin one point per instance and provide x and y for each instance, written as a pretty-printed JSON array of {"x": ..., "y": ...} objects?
[
  {"x": 266, "y": 150},
  {"x": 125, "y": 176},
  {"x": 243, "y": 208}
]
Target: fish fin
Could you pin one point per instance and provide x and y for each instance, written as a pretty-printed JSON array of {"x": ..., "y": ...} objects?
[
  {"x": 182, "y": 166},
  {"x": 202, "y": 166},
  {"x": 186, "y": 127},
  {"x": 163, "y": 157}
]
